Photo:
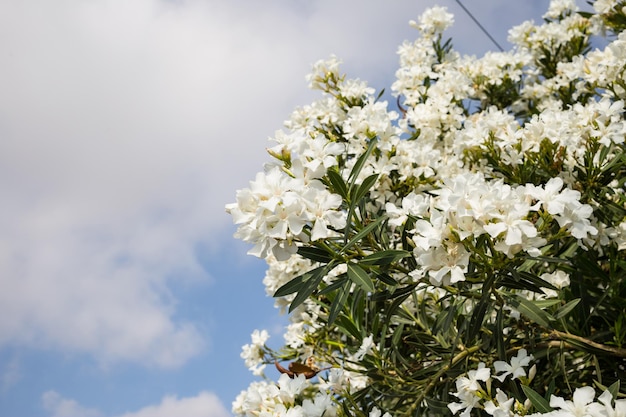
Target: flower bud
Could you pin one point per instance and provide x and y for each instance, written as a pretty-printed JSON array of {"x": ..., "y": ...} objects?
[{"x": 532, "y": 372}]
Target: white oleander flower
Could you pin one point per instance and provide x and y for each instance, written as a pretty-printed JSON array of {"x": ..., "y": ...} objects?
[
  {"x": 433, "y": 21},
  {"x": 604, "y": 6},
  {"x": 253, "y": 354},
  {"x": 502, "y": 405},
  {"x": 471, "y": 382},
  {"x": 581, "y": 405},
  {"x": 290, "y": 388},
  {"x": 377, "y": 413},
  {"x": 612, "y": 408},
  {"x": 366, "y": 348},
  {"x": 515, "y": 368},
  {"x": 321, "y": 405},
  {"x": 322, "y": 71},
  {"x": 559, "y": 8}
]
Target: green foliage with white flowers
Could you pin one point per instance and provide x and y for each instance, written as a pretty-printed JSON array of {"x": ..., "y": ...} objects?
[{"x": 463, "y": 255}]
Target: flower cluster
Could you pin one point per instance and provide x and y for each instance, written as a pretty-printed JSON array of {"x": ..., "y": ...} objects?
[
  {"x": 282, "y": 400},
  {"x": 475, "y": 391},
  {"x": 278, "y": 209},
  {"x": 450, "y": 242}
]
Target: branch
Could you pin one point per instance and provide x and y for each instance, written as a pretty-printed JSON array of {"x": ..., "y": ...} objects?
[
  {"x": 436, "y": 378},
  {"x": 566, "y": 337}
]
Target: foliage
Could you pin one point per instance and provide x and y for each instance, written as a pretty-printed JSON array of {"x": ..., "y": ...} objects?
[{"x": 463, "y": 255}]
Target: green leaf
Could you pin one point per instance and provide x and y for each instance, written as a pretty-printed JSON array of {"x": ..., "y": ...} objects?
[
  {"x": 541, "y": 404},
  {"x": 315, "y": 254},
  {"x": 443, "y": 322},
  {"x": 531, "y": 311},
  {"x": 364, "y": 188},
  {"x": 380, "y": 94},
  {"x": 569, "y": 251},
  {"x": 360, "y": 277},
  {"x": 565, "y": 310},
  {"x": 525, "y": 281},
  {"x": 499, "y": 335},
  {"x": 395, "y": 305},
  {"x": 358, "y": 166},
  {"x": 363, "y": 232},
  {"x": 357, "y": 308},
  {"x": 294, "y": 285},
  {"x": 436, "y": 407},
  {"x": 546, "y": 303},
  {"x": 341, "y": 279},
  {"x": 588, "y": 267},
  {"x": 386, "y": 279},
  {"x": 385, "y": 257},
  {"x": 305, "y": 285},
  {"x": 395, "y": 293},
  {"x": 480, "y": 310},
  {"x": 614, "y": 389},
  {"x": 338, "y": 183},
  {"x": 348, "y": 327},
  {"x": 397, "y": 335},
  {"x": 339, "y": 302}
]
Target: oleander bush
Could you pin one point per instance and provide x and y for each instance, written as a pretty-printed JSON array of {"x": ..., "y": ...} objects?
[{"x": 463, "y": 254}]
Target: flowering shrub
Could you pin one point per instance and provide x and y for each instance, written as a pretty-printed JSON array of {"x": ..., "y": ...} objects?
[{"x": 463, "y": 255}]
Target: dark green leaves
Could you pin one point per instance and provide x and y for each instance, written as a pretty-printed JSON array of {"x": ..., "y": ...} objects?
[
  {"x": 531, "y": 311},
  {"x": 338, "y": 184},
  {"x": 566, "y": 309},
  {"x": 339, "y": 301},
  {"x": 541, "y": 404},
  {"x": 360, "y": 277},
  {"x": 304, "y": 285},
  {"x": 385, "y": 257},
  {"x": 363, "y": 232},
  {"x": 315, "y": 254}
]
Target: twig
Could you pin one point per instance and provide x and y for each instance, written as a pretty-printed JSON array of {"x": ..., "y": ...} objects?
[{"x": 611, "y": 350}]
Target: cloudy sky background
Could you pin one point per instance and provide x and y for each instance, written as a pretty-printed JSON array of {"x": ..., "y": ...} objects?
[{"x": 125, "y": 127}]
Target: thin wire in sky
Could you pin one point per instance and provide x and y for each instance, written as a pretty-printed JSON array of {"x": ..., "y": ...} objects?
[{"x": 480, "y": 26}]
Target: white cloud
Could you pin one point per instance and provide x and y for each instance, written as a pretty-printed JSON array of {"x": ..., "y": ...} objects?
[
  {"x": 61, "y": 407},
  {"x": 126, "y": 127},
  {"x": 115, "y": 162},
  {"x": 205, "y": 404},
  {"x": 10, "y": 374}
]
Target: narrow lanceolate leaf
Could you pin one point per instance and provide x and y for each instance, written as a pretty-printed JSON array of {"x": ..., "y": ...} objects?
[
  {"x": 339, "y": 302},
  {"x": 354, "y": 174},
  {"x": 310, "y": 285},
  {"x": 531, "y": 311},
  {"x": 499, "y": 335},
  {"x": 380, "y": 94},
  {"x": 338, "y": 183},
  {"x": 614, "y": 389},
  {"x": 339, "y": 282},
  {"x": 364, "y": 188},
  {"x": 478, "y": 316},
  {"x": 363, "y": 232},
  {"x": 394, "y": 293},
  {"x": 345, "y": 324},
  {"x": 565, "y": 310},
  {"x": 315, "y": 254},
  {"x": 293, "y": 285},
  {"x": 385, "y": 257},
  {"x": 541, "y": 404},
  {"x": 360, "y": 277},
  {"x": 358, "y": 166},
  {"x": 385, "y": 278}
]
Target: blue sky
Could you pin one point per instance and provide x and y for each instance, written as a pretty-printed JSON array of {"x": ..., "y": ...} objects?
[{"x": 125, "y": 127}]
